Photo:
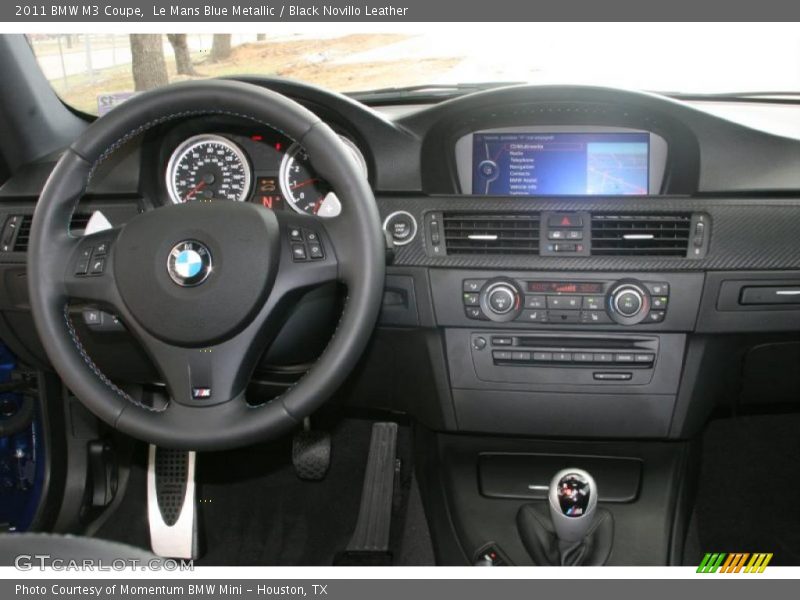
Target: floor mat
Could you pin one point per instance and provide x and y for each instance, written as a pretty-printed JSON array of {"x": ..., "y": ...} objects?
[
  {"x": 749, "y": 486},
  {"x": 255, "y": 511}
]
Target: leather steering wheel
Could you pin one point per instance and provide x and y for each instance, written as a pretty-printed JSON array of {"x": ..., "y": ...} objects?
[{"x": 204, "y": 286}]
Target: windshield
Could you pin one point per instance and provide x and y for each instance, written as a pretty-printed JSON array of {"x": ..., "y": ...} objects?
[{"x": 95, "y": 72}]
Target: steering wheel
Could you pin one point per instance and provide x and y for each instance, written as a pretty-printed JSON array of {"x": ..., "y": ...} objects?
[{"x": 204, "y": 286}]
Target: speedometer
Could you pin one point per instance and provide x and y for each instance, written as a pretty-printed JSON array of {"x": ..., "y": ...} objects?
[
  {"x": 304, "y": 190},
  {"x": 208, "y": 167}
]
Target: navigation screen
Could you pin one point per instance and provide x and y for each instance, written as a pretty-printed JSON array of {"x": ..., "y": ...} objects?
[{"x": 538, "y": 164}]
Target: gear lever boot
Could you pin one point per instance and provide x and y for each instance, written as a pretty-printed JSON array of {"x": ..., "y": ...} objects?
[{"x": 571, "y": 531}]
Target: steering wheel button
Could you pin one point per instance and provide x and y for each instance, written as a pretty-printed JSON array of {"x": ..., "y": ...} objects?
[
  {"x": 315, "y": 251},
  {"x": 311, "y": 236},
  {"x": 82, "y": 267},
  {"x": 298, "y": 252},
  {"x": 92, "y": 317},
  {"x": 296, "y": 235},
  {"x": 101, "y": 249},
  {"x": 86, "y": 253},
  {"x": 98, "y": 264}
]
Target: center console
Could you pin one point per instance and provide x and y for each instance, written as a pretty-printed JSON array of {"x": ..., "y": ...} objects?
[{"x": 565, "y": 354}]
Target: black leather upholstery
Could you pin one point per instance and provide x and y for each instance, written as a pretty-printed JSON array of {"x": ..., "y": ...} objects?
[{"x": 539, "y": 539}]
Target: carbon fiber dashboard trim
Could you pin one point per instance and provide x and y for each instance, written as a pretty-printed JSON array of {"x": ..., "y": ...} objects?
[{"x": 746, "y": 233}]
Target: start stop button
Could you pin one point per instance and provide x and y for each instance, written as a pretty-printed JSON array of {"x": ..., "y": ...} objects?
[{"x": 401, "y": 226}]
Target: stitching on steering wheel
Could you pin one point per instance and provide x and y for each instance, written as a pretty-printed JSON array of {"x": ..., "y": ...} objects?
[
  {"x": 96, "y": 370},
  {"x": 160, "y": 120}
]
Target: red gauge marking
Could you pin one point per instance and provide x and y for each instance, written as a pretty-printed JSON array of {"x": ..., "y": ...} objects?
[
  {"x": 190, "y": 194},
  {"x": 303, "y": 183}
]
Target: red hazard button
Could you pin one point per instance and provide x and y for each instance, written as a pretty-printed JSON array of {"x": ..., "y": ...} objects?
[{"x": 565, "y": 221}]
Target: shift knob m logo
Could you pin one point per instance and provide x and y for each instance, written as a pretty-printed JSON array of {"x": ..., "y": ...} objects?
[{"x": 189, "y": 263}]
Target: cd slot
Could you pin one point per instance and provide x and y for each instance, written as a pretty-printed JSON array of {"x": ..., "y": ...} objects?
[{"x": 540, "y": 350}]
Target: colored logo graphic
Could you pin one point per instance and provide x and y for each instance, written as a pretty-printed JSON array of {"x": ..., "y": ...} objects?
[
  {"x": 736, "y": 562},
  {"x": 189, "y": 263}
]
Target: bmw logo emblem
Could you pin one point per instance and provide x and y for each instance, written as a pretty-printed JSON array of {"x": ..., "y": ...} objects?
[{"x": 189, "y": 263}]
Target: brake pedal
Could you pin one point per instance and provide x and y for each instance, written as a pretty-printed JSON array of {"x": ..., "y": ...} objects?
[
  {"x": 171, "y": 504},
  {"x": 370, "y": 542},
  {"x": 311, "y": 453}
]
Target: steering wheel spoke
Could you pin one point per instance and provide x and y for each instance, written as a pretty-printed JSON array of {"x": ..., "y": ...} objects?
[
  {"x": 309, "y": 254},
  {"x": 89, "y": 272},
  {"x": 203, "y": 376}
]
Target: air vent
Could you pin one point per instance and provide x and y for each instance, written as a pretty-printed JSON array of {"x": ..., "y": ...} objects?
[
  {"x": 491, "y": 233},
  {"x": 23, "y": 234},
  {"x": 641, "y": 235},
  {"x": 77, "y": 226}
]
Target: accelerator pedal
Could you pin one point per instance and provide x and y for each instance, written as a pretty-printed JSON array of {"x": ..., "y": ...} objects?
[
  {"x": 311, "y": 453},
  {"x": 171, "y": 507},
  {"x": 370, "y": 542}
]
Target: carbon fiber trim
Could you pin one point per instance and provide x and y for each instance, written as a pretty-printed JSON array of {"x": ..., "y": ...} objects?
[{"x": 746, "y": 233}]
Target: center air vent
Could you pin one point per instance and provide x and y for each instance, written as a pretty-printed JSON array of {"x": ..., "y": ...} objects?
[
  {"x": 491, "y": 233},
  {"x": 641, "y": 235}
]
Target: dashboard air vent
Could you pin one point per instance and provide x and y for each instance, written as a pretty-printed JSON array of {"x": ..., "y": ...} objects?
[
  {"x": 77, "y": 226},
  {"x": 23, "y": 234},
  {"x": 641, "y": 235},
  {"x": 491, "y": 233}
]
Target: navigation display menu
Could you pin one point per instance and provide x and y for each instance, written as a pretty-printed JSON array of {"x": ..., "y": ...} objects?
[{"x": 535, "y": 164}]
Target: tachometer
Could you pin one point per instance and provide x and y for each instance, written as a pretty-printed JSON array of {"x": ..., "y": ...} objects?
[
  {"x": 304, "y": 190},
  {"x": 208, "y": 167}
]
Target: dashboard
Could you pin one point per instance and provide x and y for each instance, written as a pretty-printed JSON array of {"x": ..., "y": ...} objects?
[
  {"x": 562, "y": 255},
  {"x": 569, "y": 263}
]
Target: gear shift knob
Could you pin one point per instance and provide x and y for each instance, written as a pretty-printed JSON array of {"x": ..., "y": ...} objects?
[{"x": 572, "y": 499}]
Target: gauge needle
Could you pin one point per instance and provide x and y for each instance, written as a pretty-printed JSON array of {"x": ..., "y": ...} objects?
[
  {"x": 190, "y": 194},
  {"x": 303, "y": 184}
]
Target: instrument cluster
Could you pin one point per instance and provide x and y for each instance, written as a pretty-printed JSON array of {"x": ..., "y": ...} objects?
[{"x": 263, "y": 166}]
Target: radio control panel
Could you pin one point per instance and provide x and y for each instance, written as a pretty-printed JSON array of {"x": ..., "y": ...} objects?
[{"x": 622, "y": 302}]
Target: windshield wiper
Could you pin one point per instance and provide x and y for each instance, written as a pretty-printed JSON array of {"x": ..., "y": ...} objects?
[{"x": 433, "y": 91}]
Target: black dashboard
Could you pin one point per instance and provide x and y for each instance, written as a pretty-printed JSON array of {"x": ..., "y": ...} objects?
[{"x": 563, "y": 260}]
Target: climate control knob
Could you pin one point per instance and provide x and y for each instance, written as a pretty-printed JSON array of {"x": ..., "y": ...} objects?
[
  {"x": 628, "y": 302},
  {"x": 500, "y": 300}
]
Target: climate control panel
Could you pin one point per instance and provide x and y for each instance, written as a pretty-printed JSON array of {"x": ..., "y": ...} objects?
[{"x": 622, "y": 302}]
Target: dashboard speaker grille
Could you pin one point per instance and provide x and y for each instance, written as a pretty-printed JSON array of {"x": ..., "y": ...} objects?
[
  {"x": 77, "y": 226},
  {"x": 491, "y": 233},
  {"x": 641, "y": 235}
]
